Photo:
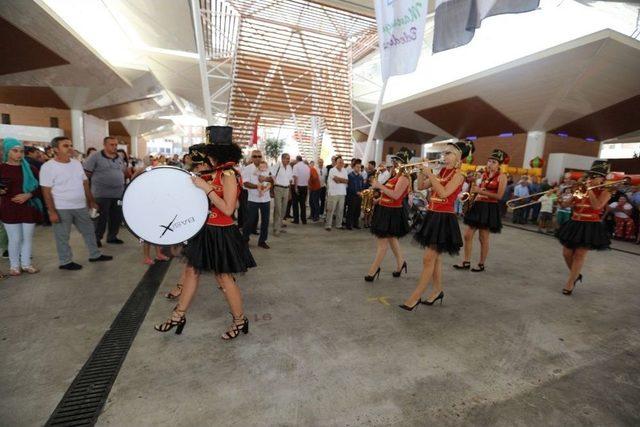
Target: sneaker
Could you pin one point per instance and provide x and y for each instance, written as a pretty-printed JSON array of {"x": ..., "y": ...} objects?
[
  {"x": 264, "y": 245},
  {"x": 70, "y": 266},
  {"x": 115, "y": 241},
  {"x": 101, "y": 258}
]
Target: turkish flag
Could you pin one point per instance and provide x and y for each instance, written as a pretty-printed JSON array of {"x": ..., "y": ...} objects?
[{"x": 254, "y": 135}]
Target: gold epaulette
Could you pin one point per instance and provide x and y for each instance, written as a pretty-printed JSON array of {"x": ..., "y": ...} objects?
[{"x": 228, "y": 172}]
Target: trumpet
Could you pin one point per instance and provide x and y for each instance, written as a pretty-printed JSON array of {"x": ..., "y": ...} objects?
[{"x": 414, "y": 167}]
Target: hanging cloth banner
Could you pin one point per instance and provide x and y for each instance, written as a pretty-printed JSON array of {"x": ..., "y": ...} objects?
[
  {"x": 400, "y": 34},
  {"x": 455, "y": 21}
]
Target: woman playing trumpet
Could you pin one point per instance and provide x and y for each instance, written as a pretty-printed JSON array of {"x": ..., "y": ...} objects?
[
  {"x": 585, "y": 230},
  {"x": 484, "y": 213},
  {"x": 390, "y": 221},
  {"x": 439, "y": 232}
]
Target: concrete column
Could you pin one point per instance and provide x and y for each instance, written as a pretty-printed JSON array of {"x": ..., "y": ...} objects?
[
  {"x": 534, "y": 147},
  {"x": 134, "y": 146},
  {"x": 423, "y": 150},
  {"x": 378, "y": 151},
  {"x": 77, "y": 130}
]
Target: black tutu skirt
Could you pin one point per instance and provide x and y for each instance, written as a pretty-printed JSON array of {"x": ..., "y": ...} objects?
[
  {"x": 440, "y": 229},
  {"x": 583, "y": 234},
  {"x": 389, "y": 222},
  {"x": 219, "y": 250},
  {"x": 484, "y": 215}
]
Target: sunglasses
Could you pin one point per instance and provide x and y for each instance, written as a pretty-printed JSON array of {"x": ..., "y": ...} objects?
[{"x": 256, "y": 157}]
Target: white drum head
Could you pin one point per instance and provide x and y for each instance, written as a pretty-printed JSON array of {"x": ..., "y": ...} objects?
[{"x": 162, "y": 206}]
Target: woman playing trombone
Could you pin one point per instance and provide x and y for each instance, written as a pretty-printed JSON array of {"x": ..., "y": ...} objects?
[
  {"x": 484, "y": 213},
  {"x": 585, "y": 231}
]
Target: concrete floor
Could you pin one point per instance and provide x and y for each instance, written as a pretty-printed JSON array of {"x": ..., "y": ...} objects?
[{"x": 506, "y": 348}]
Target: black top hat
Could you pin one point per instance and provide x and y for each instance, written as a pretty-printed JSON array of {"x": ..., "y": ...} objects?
[
  {"x": 599, "y": 168},
  {"x": 221, "y": 135},
  {"x": 464, "y": 147},
  {"x": 500, "y": 156},
  {"x": 197, "y": 152},
  {"x": 401, "y": 157}
]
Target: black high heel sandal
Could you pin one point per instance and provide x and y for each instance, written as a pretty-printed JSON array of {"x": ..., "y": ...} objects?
[
  {"x": 575, "y": 282},
  {"x": 399, "y": 272},
  {"x": 236, "y": 328},
  {"x": 439, "y": 297},
  {"x": 170, "y": 323},
  {"x": 372, "y": 278},
  {"x": 480, "y": 268},
  {"x": 406, "y": 307},
  {"x": 465, "y": 266},
  {"x": 171, "y": 296}
]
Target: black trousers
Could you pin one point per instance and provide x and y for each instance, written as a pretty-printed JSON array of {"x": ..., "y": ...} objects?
[
  {"x": 300, "y": 205},
  {"x": 354, "y": 203},
  {"x": 242, "y": 208},
  {"x": 323, "y": 199},
  {"x": 251, "y": 220},
  {"x": 110, "y": 215}
]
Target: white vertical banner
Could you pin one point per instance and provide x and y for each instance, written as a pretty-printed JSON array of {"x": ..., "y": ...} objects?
[{"x": 400, "y": 34}]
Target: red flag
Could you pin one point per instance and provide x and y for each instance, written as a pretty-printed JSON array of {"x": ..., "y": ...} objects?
[{"x": 254, "y": 135}]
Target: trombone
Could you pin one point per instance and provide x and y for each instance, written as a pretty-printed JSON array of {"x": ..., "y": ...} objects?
[{"x": 510, "y": 203}]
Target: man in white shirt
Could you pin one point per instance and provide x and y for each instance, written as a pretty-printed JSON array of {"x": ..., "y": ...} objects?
[
  {"x": 323, "y": 172},
  {"x": 256, "y": 202},
  {"x": 66, "y": 192},
  {"x": 337, "y": 190},
  {"x": 282, "y": 174},
  {"x": 301, "y": 175}
]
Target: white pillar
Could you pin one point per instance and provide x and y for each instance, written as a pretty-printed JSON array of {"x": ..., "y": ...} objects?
[
  {"x": 423, "y": 150},
  {"x": 134, "y": 146},
  {"x": 77, "y": 130},
  {"x": 534, "y": 147},
  {"x": 379, "y": 147}
]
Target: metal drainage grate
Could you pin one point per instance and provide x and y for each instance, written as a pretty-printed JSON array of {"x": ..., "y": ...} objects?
[{"x": 87, "y": 394}]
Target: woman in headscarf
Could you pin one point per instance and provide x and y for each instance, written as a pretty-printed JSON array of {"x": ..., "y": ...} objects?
[{"x": 20, "y": 206}]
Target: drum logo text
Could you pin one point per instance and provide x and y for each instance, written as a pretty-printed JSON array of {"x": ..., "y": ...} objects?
[{"x": 176, "y": 224}]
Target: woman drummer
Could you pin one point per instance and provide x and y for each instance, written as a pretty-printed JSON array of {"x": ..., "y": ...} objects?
[
  {"x": 200, "y": 165},
  {"x": 390, "y": 220},
  {"x": 218, "y": 248},
  {"x": 484, "y": 213},
  {"x": 585, "y": 230},
  {"x": 439, "y": 231}
]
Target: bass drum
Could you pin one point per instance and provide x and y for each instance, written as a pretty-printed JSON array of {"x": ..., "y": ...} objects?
[{"x": 162, "y": 206}]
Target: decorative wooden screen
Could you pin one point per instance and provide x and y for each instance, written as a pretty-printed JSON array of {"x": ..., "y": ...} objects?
[{"x": 293, "y": 62}]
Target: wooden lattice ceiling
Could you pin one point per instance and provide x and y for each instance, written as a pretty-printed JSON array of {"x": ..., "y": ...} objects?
[{"x": 293, "y": 62}]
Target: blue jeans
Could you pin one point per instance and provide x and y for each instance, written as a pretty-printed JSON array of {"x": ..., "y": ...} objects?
[{"x": 253, "y": 208}]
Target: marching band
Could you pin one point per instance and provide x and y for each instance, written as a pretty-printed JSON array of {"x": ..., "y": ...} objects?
[{"x": 218, "y": 248}]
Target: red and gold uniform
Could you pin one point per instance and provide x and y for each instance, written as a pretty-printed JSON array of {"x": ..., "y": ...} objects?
[
  {"x": 485, "y": 211},
  {"x": 440, "y": 227},
  {"x": 219, "y": 246},
  {"x": 585, "y": 228},
  {"x": 390, "y": 217}
]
